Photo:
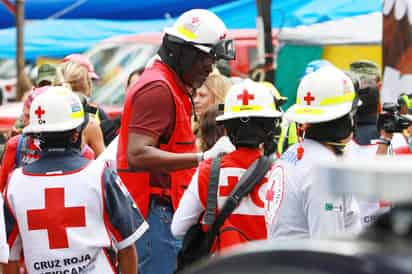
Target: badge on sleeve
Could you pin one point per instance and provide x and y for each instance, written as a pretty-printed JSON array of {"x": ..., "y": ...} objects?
[{"x": 274, "y": 193}]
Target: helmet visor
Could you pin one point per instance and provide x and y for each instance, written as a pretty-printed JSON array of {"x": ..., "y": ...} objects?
[{"x": 224, "y": 49}]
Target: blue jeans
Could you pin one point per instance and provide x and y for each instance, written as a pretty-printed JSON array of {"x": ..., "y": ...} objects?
[{"x": 157, "y": 248}]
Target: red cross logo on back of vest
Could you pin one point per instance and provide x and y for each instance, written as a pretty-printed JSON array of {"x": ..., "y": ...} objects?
[
  {"x": 39, "y": 112},
  {"x": 245, "y": 96},
  {"x": 308, "y": 98},
  {"x": 55, "y": 218}
]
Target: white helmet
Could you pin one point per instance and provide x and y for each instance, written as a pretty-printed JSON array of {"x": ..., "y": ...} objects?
[
  {"x": 249, "y": 99},
  {"x": 204, "y": 30},
  {"x": 56, "y": 109},
  {"x": 324, "y": 95}
]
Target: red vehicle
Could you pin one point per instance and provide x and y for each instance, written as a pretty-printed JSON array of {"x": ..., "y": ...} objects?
[{"x": 115, "y": 58}]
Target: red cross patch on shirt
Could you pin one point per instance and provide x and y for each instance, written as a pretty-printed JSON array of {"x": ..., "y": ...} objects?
[{"x": 56, "y": 218}]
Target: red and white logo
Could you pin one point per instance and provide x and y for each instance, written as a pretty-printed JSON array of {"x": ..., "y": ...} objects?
[
  {"x": 39, "y": 112},
  {"x": 56, "y": 218},
  {"x": 274, "y": 193}
]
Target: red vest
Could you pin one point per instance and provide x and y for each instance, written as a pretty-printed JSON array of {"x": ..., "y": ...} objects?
[
  {"x": 247, "y": 221},
  {"x": 182, "y": 139}
]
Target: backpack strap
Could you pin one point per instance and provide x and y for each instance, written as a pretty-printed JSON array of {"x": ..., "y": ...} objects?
[
  {"x": 249, "y": 179},
  {"x": 211, "y": 204}
]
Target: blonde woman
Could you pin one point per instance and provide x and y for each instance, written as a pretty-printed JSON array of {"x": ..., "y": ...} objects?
[
  {"x": 78, "y": 78},
  {"x": 212, "y": 92}
]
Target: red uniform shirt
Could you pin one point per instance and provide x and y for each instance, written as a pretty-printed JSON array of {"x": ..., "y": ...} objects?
[{"x": 146, "y": 119}]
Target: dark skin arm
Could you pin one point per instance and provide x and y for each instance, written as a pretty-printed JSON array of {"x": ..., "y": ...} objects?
[
  {"x": 12, "y": 267},
  {"x": 143, "y": 154},
  {"x": 128, "y": 260}
]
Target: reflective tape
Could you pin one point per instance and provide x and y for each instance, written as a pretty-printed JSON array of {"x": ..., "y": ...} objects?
[
  {"x": 186, "y": 33},
  {"x": 310, "y": 111},
  {"x": 77, "y": 114},
  {"x": 250, "y": 107},
  {"x": 336, "y": 100},
  {"x": 245, "y": 107}
]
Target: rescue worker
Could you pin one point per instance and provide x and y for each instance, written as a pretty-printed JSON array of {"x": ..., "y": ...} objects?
[
  {"x": 368, "y": 85},
  {"x": 250, "y": 119},
  {"x": 65, "y": 213},
  {"x": 296, "y": 207},
  {"x": 367, "y": 142},
  {"x": 23, "y": 149},
  {"x": 156, "y": 154}
]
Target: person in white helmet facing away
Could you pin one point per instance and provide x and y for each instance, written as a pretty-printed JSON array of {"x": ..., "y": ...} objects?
[
  {"x": 68, "y": 214},
  {"x": 157, "y": 153},
  {"x": 295, "y": 206},
  {"x": 251, "y": 120}
]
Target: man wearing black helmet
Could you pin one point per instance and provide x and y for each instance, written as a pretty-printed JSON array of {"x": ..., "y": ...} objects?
[{"x": 157, "y": 153}]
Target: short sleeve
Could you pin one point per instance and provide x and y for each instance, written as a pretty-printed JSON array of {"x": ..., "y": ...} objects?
[
  {"x": 153, "y": 111},
  {"x": 122, "y": 217}
]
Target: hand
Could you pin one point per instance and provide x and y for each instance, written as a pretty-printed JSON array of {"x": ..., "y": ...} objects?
[{"x": 222, "y": 146}]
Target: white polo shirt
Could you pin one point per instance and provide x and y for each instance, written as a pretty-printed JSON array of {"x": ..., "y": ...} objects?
[{"x": 296, "y": 207}]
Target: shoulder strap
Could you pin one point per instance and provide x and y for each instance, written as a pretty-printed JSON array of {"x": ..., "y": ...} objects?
[
  {"x": 19, "y": 151},
  {"x": 249, "y": 179},
  {"x": 212, "y": 191}
]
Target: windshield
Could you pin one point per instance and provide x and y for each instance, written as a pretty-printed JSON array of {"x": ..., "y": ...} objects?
[{"x": 111, "y": 89}]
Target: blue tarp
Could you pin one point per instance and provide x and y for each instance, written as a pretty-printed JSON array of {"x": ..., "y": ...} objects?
[
  {"x": 56, "y": 38},
  {"x": 292, "y": 13},
  {"x": 104, "y": 9}
]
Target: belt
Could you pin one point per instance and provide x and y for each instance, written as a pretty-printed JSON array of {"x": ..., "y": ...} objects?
[
  {"x": 160, "y": 196},
  {"x": 161, "y": 200}
]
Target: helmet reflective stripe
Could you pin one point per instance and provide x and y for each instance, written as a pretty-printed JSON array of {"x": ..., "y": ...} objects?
[
  {"x": 186, "y": 33},
  {"x": 348, "y": 97},
  {"x": 248, "y": 99}
]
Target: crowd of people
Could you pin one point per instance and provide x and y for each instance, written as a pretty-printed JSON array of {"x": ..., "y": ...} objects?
[{"x": 87, "y": 194}]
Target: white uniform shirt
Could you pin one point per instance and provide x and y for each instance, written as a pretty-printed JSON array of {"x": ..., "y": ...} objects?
[
  {"x": 109, "y": 154},
  {"x": 297, "y": 208},
  {"x": 67, "y": 220},
  {"x": 369, "y": 209}
]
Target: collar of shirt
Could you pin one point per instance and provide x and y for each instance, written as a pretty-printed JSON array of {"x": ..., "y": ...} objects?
[{"x": 245, "y": 155}]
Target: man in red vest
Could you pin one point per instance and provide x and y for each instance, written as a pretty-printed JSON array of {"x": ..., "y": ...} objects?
[{"x": 157, "y": 155}]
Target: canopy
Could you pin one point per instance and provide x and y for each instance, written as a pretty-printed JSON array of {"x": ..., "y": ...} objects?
[
  {"x": 362, "y": 29},
  {"x": 103, "y": 9}
]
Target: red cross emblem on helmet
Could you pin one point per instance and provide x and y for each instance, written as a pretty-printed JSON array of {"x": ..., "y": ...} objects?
[
  {"x": 39, "y": 112},
  {"x": 309, "y": 98},
  {"x": 245, "y": 96}
]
